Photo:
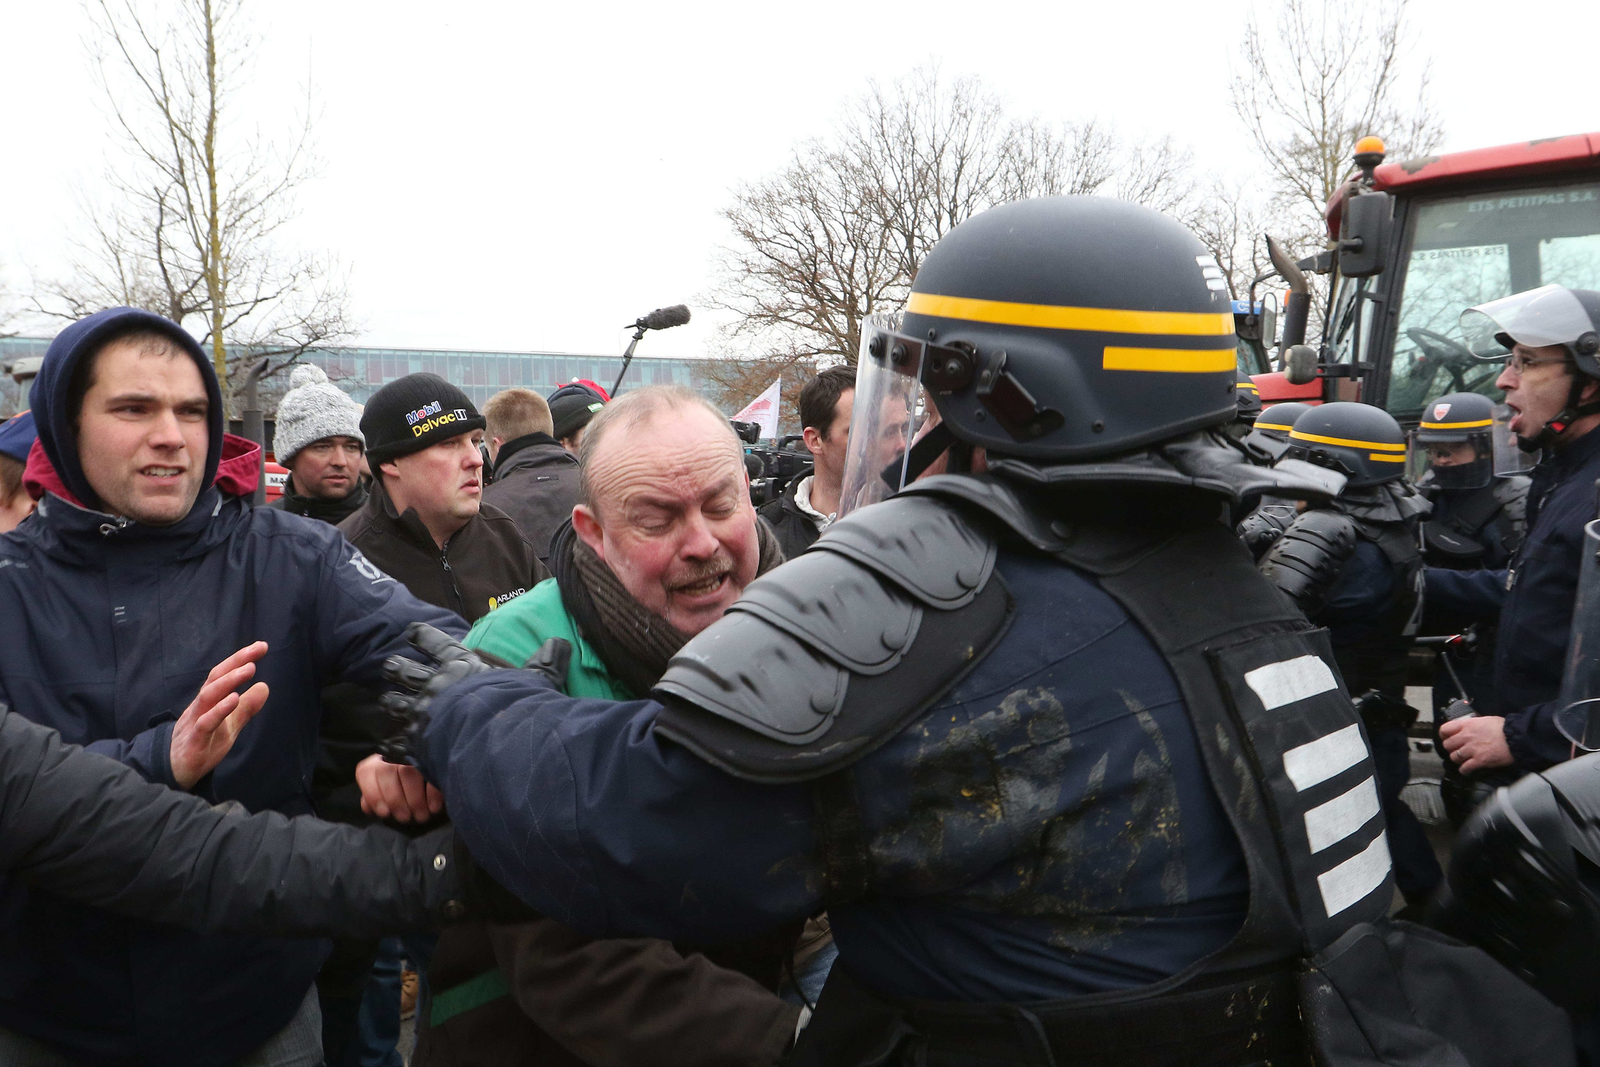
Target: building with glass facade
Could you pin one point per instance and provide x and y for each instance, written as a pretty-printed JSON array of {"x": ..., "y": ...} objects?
[{"x": 361, "y": 371}]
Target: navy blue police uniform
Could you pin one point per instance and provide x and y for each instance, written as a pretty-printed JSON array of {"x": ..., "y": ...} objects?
[{"x": 1074, "y": 782}]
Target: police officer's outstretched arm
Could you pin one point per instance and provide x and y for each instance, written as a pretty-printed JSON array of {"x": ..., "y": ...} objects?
[
  {"x": 585, "y": 813},
  {"x": 90, "y": 828}
]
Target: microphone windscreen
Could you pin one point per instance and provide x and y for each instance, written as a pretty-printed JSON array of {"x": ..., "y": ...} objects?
[{"x": 666, "y": 318}]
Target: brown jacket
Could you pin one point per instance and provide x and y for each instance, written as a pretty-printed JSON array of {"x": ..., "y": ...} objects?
[{"x": 560, "y": 999}]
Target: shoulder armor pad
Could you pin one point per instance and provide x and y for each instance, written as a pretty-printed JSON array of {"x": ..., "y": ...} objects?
[
  {"x": 830, "y": 654},
  {"x": 1304, "y": 562},
  {"x": 926, "y": 548}
]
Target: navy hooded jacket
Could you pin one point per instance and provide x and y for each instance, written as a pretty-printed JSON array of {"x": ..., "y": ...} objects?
[{"x": 111, "y": 628}]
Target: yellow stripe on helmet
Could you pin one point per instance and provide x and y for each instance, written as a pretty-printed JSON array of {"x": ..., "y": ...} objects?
[
  {"x": 1252, "y": 386},
  {"x": 1056, "y": 317},
  {"x": 1346, "y": 442},
  {"x": 1457, "y": 425},
  {"x": 1285, "y": 427},
  {"x": 1380, "y": 457},
  {"x": 1169, "y": 360}
]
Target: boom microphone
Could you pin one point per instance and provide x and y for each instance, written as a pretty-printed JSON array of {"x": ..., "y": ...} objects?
[{"x": 664, "y": 318}]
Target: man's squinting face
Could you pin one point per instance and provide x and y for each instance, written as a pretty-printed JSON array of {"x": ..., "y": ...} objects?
[
  {"x": 327, "y": 469},
  {"x": 673, "y": 518},
  {"x": 142, "y": 432},
  {"x": 443, "y": 482}
]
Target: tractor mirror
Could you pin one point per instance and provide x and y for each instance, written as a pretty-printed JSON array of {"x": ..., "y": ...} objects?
[
  {"x": 1364, "y": 234},
  {"x": 1300, "y": 365}
]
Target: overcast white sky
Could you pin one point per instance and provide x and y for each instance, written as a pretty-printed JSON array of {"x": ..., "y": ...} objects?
[{"x": 512, "y": 175}]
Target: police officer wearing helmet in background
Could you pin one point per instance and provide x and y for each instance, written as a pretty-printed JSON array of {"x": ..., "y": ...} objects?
[
  {"x": 1552, "y": 386},
  {"x": 1478, "y": 520},
  {"x": 1265, "y": 444},
  {"x": 1354, "y": 566},
  {"x": 994, "y": 724}
]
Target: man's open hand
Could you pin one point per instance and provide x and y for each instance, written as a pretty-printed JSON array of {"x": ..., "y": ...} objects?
[
  {"x": 396, "y": 791},
  {"x": 206, "y": 730},
  {"x": 1476, "y": 744}
]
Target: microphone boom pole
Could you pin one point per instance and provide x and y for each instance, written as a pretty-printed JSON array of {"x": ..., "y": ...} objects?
[{"x": 659, "y": 319}]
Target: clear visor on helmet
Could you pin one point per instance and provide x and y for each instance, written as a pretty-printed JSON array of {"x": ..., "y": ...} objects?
[
  {"x": 1510, "y": 458},
  {"x": 890, "y": 413},
  {"x": 1579, "y": 717},
  {"x": 1455, "y": 458},
  {"x": 1549, "y": 315}
]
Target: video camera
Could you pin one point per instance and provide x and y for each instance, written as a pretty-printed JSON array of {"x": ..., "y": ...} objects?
[{"x": 771, "y": 469}]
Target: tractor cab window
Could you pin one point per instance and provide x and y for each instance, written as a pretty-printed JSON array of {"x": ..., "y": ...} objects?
[{"x": 1469, "y": 249}]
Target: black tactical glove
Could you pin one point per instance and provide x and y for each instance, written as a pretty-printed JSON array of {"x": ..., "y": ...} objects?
[
  {"x": 1262, "y": 527},
  {"x": 446, "y": 662},
  {"x": 1380, "y": 711}
]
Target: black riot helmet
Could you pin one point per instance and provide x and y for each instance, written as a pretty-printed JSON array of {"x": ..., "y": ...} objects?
[
  {"x": 1453, "y": 446},
  {"x": 1247, "y": 397},
  {"x": 1269, "y": 433},
  {"x": 1053, "y": 330},
  {"x": 1524, "y": 881},
  {"x": 1360, "y": 441}
]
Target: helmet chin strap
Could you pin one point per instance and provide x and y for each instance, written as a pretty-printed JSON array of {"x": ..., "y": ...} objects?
[
  {"x": 923, "y": 453},
  {"x": 1574, "y": 410}
]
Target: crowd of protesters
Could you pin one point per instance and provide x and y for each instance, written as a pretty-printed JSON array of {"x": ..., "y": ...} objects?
[
  {"x": 214, "y": 855},
  {"x": 129, "y": 504}
]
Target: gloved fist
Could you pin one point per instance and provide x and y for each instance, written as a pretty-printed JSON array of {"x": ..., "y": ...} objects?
[{"x": 446, "y": 662}]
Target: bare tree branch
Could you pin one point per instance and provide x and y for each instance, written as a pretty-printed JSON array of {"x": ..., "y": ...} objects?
[
  {"x": 195, "y": 202},
  {"x": 840, "y": 232}
]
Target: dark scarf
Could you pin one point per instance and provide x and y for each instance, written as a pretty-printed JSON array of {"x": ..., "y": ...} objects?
[
  {"x": 330, "y": 511},
  {"x": 634, "y": 642}
]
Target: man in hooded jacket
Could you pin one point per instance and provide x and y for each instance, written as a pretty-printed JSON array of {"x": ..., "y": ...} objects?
[{"x": 144, "y": 566}]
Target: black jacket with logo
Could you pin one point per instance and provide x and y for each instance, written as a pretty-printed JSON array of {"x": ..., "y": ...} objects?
[
  {"x": 485, "y": 564},
  {"x": 536, "y": 483}
]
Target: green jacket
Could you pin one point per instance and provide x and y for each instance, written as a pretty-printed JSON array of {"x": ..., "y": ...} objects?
[{"x": 515, "y": 631}]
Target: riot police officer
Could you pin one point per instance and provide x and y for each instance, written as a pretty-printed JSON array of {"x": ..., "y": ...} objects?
[
  {"x": 1354, "y": 566},
  {"x": 1478, "y": 520},
  {"x": 1266, "y": 443},
  {"x": 1074, "y": 783},
  {"x": 1549, "y": 339}
]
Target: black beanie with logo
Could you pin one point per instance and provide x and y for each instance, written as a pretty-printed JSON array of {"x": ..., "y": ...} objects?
[{"x": 413, "y": 412}]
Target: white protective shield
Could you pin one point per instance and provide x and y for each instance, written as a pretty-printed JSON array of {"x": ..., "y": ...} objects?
[
  {"x": 1510, "y": 458},
  {"x": 891, "y": 411},
  {"x": 1549, "y": 315},
  {"x": 1579, "y": 717}
]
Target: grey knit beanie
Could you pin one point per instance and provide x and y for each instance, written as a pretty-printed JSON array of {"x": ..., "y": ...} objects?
[{"x": 312, "y": 409}]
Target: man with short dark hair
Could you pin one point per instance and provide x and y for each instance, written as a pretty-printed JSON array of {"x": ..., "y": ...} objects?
[
  {"x": 318, "y": 438},
  {"x": 424, "y": 521},
  {"x": 810, "y": 502},
  {"x": 535, "y": 479},
  {"x": 143, "y": 568}
]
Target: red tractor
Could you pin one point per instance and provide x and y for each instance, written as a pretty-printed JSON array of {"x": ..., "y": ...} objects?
[{"x": 1416, "y": 243}]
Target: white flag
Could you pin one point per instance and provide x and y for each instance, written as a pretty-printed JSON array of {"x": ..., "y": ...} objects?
[{"x": 763, "y": 410}]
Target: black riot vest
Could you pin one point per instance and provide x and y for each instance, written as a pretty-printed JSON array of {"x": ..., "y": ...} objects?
[{"x": 892, "y": 603}]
